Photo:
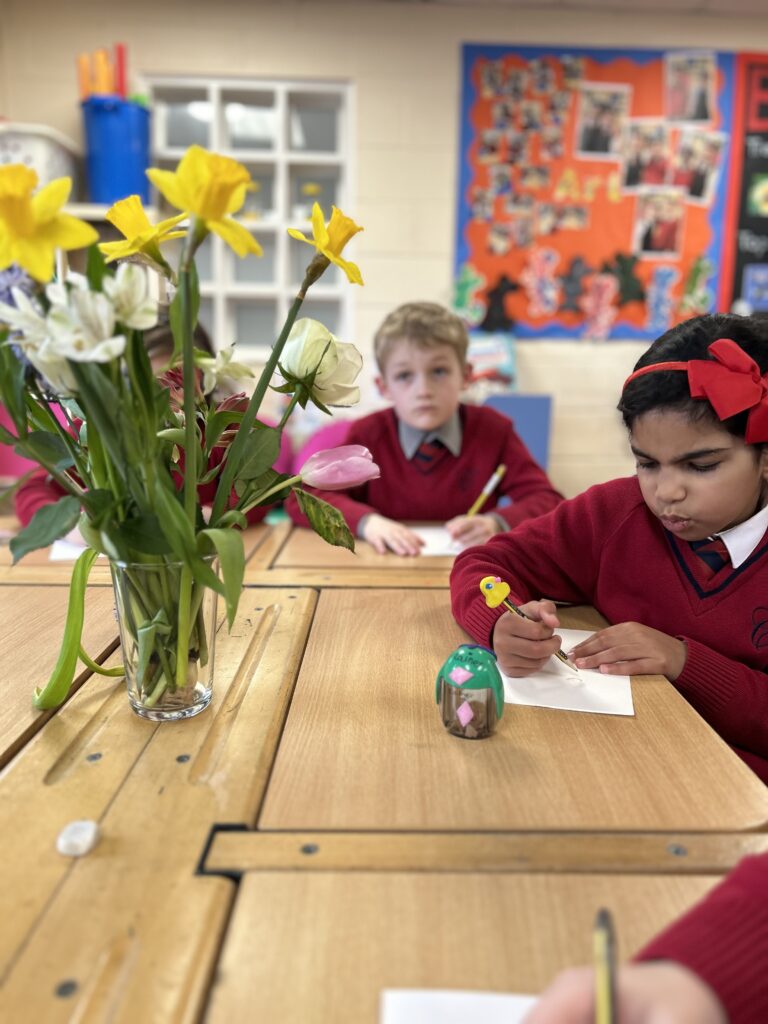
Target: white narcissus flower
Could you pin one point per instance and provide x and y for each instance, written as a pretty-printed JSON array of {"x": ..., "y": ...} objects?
[
  {"x": 311, "y": 348},
  {"x": 222, "y": 366},
  {"x": 83, "y": 331},
  {"x": 34, "y": 341},
  {"x": 24, "y": 317},
  {"x": 129, "y": 293}
]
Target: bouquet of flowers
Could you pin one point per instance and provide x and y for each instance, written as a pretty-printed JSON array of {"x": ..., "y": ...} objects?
[{"x": 158, "y": 476}]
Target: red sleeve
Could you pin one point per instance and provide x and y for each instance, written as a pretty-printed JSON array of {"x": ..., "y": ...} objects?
[
  {"x": 730, "y": 696},
  {"x": 39, "y": 490},
  {"x": 724, "y": 940},
  {"x": 556, "y": 555},
  {"x": 526, "y": 483}
]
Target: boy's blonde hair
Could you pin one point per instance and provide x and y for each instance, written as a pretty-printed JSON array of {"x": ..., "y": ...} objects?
[{"x": 422, "y": 324}]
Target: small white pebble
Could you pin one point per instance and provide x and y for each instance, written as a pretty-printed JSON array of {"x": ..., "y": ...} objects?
[{"x": 78, "y": 838}]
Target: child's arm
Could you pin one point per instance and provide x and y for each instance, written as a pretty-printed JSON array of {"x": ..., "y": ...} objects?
[{"x": 387, "y": 534}]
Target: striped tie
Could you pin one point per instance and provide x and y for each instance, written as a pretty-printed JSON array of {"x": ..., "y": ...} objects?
[
  {"x": 713, "y": 552},
  {"x": 428, "y": 454}
]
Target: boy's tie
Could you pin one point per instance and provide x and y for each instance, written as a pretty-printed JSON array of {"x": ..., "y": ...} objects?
[
  {"x": 429, "y": 454},
  {"x": 713, "y": 552}
]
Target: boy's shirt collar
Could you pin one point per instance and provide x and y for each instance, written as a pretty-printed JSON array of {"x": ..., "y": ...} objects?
[
  {"x": 741, "y": 540},
  {"x": 450, "y": 434}
]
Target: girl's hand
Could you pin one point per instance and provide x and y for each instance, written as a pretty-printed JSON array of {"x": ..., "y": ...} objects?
[
  {"x": 469, "y": 530},
  {"x": 663, "y": 992},
  {"x": 522, "y": 646},
  {"x": 382, "y": 533},
  {"x": 629, "y": 649}
]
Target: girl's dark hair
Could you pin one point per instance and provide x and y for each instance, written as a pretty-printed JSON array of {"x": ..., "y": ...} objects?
[
  {"x": 686, "y": 341},
  {"x": 160, "y": 338}
]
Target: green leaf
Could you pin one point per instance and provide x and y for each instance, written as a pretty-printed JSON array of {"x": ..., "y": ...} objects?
[
  {"x": 261, "y": 451},
  {"x": 229, "y": 547},
  {"x": 57, "y": 688},
  {"x": 12, "y": 388},
  {"x": 175, "y": 434},
  {"x": 325, "y": 519},
  {"x": 145, "y": 640},
  {"x": 48, "y": 524},
  {"x": 145, "y": 534},
  {"x": 234, "y": 518},
  {"x": 96, "y": 268},
  {"x": 175, "y": 524},
  {"x": 47, "y": 449}
]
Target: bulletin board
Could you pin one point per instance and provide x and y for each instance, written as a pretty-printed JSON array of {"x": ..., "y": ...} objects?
[{"x": 594, "y": 190}]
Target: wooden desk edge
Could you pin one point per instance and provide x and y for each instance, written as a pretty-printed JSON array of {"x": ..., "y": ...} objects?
[{"x": 234, "y": 852}]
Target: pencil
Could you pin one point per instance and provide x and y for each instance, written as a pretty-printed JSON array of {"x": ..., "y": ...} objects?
[
  {"x": 495, "y": 592},
  {"x": 490, "y": 487},
  {"x": 604, "y": 948},
  {"x": 560, "y": 655}
]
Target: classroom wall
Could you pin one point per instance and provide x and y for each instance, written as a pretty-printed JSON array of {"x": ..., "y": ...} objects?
[{"x": 405, "y": 62}]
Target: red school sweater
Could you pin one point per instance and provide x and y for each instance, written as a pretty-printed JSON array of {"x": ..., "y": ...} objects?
[
  {"x": 724, "y": 940},
  {"x": 404, "y": 492},
  {"x": 606, "y": 548}
]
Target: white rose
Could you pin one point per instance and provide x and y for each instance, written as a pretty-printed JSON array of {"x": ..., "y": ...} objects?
[{"x": 311, "y": 347}]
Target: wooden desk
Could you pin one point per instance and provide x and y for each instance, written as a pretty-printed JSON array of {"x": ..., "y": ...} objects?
[
  {"x": 305, "y": 559},
  {"x": 364, "y": 748},
  {"x": 309, "y": 949},
  {"x": 37, "y": 567},
  {"x": 130, "y": 932},
  {"x": 31, "y": 628}
]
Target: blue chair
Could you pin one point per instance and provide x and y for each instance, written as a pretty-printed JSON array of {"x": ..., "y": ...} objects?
[{"x": 531, "y": 415}]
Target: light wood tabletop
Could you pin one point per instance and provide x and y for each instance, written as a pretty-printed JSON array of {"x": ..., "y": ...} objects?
[
  {"x": 364, "y": 747},
  {"x": 131, "y": 932},
  {"x": 304, "y": 559},
  {"x": 309, "y": 949},
  {"x": 31, "y": 629}
]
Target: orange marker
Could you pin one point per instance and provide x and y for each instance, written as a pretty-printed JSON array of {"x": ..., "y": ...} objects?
[{"x": 84, "y": 75}]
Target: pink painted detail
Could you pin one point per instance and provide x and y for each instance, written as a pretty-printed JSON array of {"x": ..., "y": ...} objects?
[
  {"x": 465, "y": 714},
  {"x": 459, "y": 675}
]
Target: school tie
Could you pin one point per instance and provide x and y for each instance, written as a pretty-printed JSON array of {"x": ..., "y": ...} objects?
[
  {"x": 713, "y": 552},
  {"x": 428, "y": 455}
]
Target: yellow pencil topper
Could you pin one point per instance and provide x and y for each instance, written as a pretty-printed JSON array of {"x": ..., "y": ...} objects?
[{"x": 494, "y": 589}]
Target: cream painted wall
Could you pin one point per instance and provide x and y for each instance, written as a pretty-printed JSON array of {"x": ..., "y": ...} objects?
[{"x": 405, "y": 63}]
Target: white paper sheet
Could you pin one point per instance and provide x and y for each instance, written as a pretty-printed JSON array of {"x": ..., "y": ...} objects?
[
  {"x": 443, "y": 1006},
  {"x": 554, "y": 686},
  {"x": 437, "y": 541}
]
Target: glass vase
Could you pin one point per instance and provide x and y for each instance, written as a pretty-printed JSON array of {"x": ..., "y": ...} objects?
[{"x": 151, "y": 605}]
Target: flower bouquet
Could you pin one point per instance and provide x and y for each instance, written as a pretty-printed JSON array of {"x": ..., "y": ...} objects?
[{"x": 158, "y": 475}]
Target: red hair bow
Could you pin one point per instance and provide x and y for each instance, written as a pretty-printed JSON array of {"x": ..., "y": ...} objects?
[{"x": 731, "y": 382}]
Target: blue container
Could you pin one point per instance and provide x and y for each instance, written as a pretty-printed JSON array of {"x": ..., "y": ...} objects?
[{"x": 117, "y": 148}]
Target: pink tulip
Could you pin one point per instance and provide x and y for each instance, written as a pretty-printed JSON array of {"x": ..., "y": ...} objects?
[{"x": 336, "y": 468}]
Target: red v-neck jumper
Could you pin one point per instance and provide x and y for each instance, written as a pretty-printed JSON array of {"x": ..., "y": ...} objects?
[
  {"x": 607, "y": 549},
  {"x": 404, "y": 492}
]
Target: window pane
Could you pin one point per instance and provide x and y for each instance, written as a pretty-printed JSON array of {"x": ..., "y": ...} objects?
[
  {"x": 187, "y": 116},
  {"x": 328, "y": 312},
  {"x": 255, "y": 322},
  {"x": 260, "y": 203},
  {"x": 313, "y": 184},
  {"x": 314, "y": 122},
  {"x": 255, "y": 269},
  {"x": 250, "y": 120}
]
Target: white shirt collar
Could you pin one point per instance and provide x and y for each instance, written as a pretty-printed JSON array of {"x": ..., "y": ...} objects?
[{"x": 741, "y": 540}]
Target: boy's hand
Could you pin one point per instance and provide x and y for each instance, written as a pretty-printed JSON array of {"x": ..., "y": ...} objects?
[
  {"x": 663, "y": 992},
  {"x": 523, "y": 646},
  {"x": 470, "y": 530},
  {"x": 382, "y": 533},
  {"x": 629, "y": 649}
]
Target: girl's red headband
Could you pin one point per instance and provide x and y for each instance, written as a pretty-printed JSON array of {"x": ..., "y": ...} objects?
[{"x": 731, "y": 382}]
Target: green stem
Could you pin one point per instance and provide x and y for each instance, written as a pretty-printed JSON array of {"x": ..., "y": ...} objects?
[
  {"x": 182, "y": 633},
  {"x": 235, "y": 454},
  {"x": 289, "y": 408},
  {"x": 94, "y": 667},
  {"x": 272, "y": 490}
]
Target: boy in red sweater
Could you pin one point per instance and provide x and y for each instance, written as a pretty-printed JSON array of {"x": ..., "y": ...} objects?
[
  {"x": 435, "y": 454},
  {"x": 708, "y": 967},
  {"x": 676, "y": 557}
]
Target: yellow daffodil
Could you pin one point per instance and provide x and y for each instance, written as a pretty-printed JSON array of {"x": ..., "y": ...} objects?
[
  {"x": 330, "y": 240},
  {"x": 210, "y": 187},
  {"x": 141, "y": 237},
  {"x": 32, "y": 227}
]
